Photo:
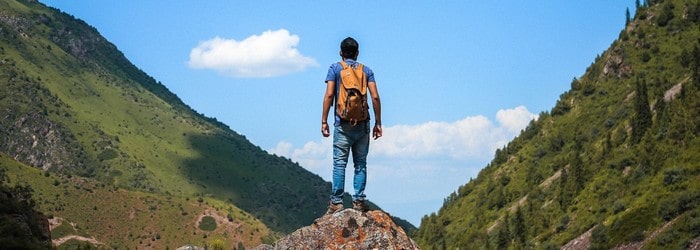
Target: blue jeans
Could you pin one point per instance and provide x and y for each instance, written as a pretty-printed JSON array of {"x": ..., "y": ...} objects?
[{"x": 348, "y": 138}]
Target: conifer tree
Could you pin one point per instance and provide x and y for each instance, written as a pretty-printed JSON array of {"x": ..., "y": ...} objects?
[
  {"x": 642, "y": 114},
  {"x": 695, "y": 64},
  {"x": 627, "y": 17},
  {"x": 503, "y": 236},
  {"x": 563, "y": 195},
  {"x": 517, "y": 227}
]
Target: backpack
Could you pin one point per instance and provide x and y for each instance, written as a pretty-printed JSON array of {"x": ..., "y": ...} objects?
[{"x": 351, "y": 102}]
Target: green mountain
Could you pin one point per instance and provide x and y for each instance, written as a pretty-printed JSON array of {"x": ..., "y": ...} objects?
[
  {"x": 616, "y": 162},
  {"x": 98, "y": 140}
]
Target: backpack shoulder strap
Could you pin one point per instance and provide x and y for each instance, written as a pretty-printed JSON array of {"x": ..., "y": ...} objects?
[{"x": 345, "y": 65}]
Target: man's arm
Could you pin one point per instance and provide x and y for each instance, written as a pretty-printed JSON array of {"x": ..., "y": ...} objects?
[
  {"x": 377, "y": 107},
  {"x": 327, "y": 103}
]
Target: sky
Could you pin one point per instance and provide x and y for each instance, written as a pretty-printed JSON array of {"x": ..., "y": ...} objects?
[{"x": 457, "y": 79}]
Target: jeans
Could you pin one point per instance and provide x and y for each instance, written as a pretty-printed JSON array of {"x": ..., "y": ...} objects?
[{"x": 348, "y": 138}]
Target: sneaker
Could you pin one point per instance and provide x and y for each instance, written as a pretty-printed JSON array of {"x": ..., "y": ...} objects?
[
  {"x": 333, "y": 208},
  {"x": 360, "y": 205}
]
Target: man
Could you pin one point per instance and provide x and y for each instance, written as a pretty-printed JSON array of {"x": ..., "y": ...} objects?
[{"x": 349, "y": 136}]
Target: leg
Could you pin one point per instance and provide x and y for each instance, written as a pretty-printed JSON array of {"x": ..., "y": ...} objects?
[
  {"x": 359, "y": 155},
  {"x": 341, "y": 152}
]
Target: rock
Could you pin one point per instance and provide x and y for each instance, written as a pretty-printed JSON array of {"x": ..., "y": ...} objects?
[
  {"x": 190, "y": 247},
  {"x": 347, "y": 229}
]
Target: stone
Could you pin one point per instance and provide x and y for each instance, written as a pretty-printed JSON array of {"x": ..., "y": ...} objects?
[{"x": 347, "y": 229}]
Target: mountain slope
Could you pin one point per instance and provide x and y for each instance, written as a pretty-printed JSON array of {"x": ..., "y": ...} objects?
[
  {"x": 107, "y": 216},
  {"x": 616, "y": 161}
]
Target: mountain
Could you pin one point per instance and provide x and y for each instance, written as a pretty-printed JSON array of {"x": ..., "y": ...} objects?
[
  {"x": 116, "y": 159},
  {"x": 615, "y": 163}
]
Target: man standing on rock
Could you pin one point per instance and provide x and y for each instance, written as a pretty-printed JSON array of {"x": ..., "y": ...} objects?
[{"x": 351, "y": 122}]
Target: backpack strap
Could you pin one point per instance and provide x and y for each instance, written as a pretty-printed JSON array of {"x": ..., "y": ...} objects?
[
  {"x": 359, "y": 70},
  {"x": 345, "y": 65}
]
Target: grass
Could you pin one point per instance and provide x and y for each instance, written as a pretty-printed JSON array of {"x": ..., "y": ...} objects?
[{"x": 129, "y": 219}]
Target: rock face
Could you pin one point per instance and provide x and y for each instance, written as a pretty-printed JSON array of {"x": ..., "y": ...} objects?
[{"x": 347, "y": 229}]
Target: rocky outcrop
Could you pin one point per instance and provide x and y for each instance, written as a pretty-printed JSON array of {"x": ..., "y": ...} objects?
[
  {"x": 347, "y": 229},
  {"x": 616, "y": 65},
  {"x": 35, "y": 140}
]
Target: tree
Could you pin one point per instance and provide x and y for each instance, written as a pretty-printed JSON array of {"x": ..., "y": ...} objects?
[
  {"x": 599, "y": 238},
  {"x": 503, "y": 235},
  {"x": 666, "y": 14},
  {"x": 20, "y": 223},
  {"x": 517, "y": 228},
  {"x": 695, "y": 64},
  {"x": 627, "y": 16},
  {"x": 642, "y": 113}
]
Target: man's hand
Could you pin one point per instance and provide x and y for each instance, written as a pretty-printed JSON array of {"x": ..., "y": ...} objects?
[
  {"x": 325, "y": 130},
  {"x": 377, "y": 131}
]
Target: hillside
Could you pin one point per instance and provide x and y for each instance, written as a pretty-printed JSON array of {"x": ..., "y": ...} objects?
[
  {"x": 102, "y": 133},
  {"x": 615, "y": 163}
]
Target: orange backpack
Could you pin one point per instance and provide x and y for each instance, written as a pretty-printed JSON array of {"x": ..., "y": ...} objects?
[{"x": 352, "y": 95}]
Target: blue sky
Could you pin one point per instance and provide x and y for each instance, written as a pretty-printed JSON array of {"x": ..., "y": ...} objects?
[{"x": 458, "y": 79}]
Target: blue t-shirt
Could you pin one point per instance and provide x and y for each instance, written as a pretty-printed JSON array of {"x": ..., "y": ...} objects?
[{"x": 334, "y": 75}]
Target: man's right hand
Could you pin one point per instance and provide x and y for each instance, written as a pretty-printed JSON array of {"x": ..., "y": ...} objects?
[{"x": 325, "y": 130}]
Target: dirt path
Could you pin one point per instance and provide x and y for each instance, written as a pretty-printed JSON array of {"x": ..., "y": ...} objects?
[
  {"x": 57, "y": 221},
  {"x": 58, "y": 242}
]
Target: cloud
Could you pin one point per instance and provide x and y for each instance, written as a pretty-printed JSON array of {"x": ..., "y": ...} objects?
[
  {"x": 314, "y": 156},
  {"x": 427, "y": 161},
  {"x": 468, "y": 137},
  {"x": 272, "y": 53},
  {"x": 473, "y": 137},
  {"x": 515, "y": 119}
]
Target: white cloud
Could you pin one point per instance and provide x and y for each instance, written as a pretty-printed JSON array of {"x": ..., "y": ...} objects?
[
  {"x": 314, "y": 156},
  {"x": 469, "y": 137},
  {"x": 272, "y": 53},
  {"x": 515, "y": 119},
  {"x": 427, "y": 161},
  {"x": 474, "y": 137}
]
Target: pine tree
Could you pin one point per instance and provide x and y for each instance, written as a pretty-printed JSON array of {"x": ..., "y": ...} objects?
[
  {"x": 627, "y": 17},
  {"x": 642, "y": 114},
  {"x": 695, "y": 64},
  {"x": 563, "y": 193},
  {"x": 503, "y": 235},
  {"x": 517, "y": 227}
]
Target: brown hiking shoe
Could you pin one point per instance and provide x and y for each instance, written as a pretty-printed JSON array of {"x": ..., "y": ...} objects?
[
  {"x": 333, "y": 208},
  {"x": 360, "y": 205}
]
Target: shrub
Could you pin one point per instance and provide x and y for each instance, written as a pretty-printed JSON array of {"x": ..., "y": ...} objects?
[
  {"x": 216, "y": 244},
  {"x": 207, "y": 223},
  {"x": 672, "y": 176}
]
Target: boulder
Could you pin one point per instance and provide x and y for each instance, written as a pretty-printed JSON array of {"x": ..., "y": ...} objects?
[{"x": 347, "y": 229}]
